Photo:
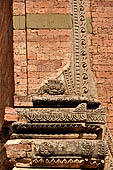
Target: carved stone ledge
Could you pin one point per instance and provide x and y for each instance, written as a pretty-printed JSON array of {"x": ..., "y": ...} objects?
[
  {"x": 71, "y": 162},
  {"x": 32, "y": 115},
  {"x": 54, "y": 128},
  {"x": 97, "y": 115},
  {"x": 88, "y": 136},
  {"x": 62, "y": 101},
  {"x": 77, "y": 114},
  {"x": 80, "y": 148}
]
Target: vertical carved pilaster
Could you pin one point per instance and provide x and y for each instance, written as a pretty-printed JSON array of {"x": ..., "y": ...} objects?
[{"x": 79, "y": 58}]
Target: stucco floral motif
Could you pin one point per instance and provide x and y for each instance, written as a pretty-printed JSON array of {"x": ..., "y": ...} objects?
[{"x": 46, "y": 149}]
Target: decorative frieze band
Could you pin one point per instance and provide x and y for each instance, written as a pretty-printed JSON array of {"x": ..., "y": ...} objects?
[
  {"x": 54, "y": 128},
  {"x": 78, "y": 114},
  {"x": 67, "y": 162},
  {"x": 87, "y": 148}
]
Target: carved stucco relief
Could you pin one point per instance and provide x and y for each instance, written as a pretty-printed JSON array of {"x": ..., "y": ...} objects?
[{"x": 77, "y": 79}]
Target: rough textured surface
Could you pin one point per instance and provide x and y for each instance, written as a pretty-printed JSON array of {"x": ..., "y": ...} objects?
[
  {"x": 101, "y": 52},
  {"x": 49, "y": 21},
  {"x": 39, "y": 53},
  {"x": 6, "y": 58},
  {"x": 6, "y": 71},
  {"x": 19, "y": 22}
]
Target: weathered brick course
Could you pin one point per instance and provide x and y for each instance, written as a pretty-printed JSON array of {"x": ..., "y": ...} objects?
[
  {"x": 101, "y": 52},
  {"x": 48, "y": 6}
]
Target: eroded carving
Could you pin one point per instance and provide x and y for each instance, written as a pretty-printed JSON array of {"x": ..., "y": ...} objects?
[
  {"x": 80, "y": 114},
  {"x": 97, "y": 115},
  {"x": 108, "y": 163},
  {"x": 87, "y": 148},
  {"x": 109, "y": 140},
  {"x": 56, "y": 115},
  {"x": 75, "y": 79},
  {"x": 68, "y": 162},
  {"x": 46, "y": 149},
  {"x": 52, "y": 128},
  {"x": 53, "y": 87},
  {"x": 80, "y": 57},
  {"x": 90, "y": 149}
]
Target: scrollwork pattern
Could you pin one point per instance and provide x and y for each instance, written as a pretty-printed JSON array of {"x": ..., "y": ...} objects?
[{"x": 80, "y": 60}]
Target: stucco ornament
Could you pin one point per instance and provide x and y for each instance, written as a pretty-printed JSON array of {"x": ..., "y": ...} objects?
[{"x": 46, "y": 149}]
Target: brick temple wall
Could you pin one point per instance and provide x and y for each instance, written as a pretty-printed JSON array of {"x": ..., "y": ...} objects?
[
  {"x": 101, "y": 52},
  {"x": 43, "y": 48},
  {"x": 6, "y": 68}
]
